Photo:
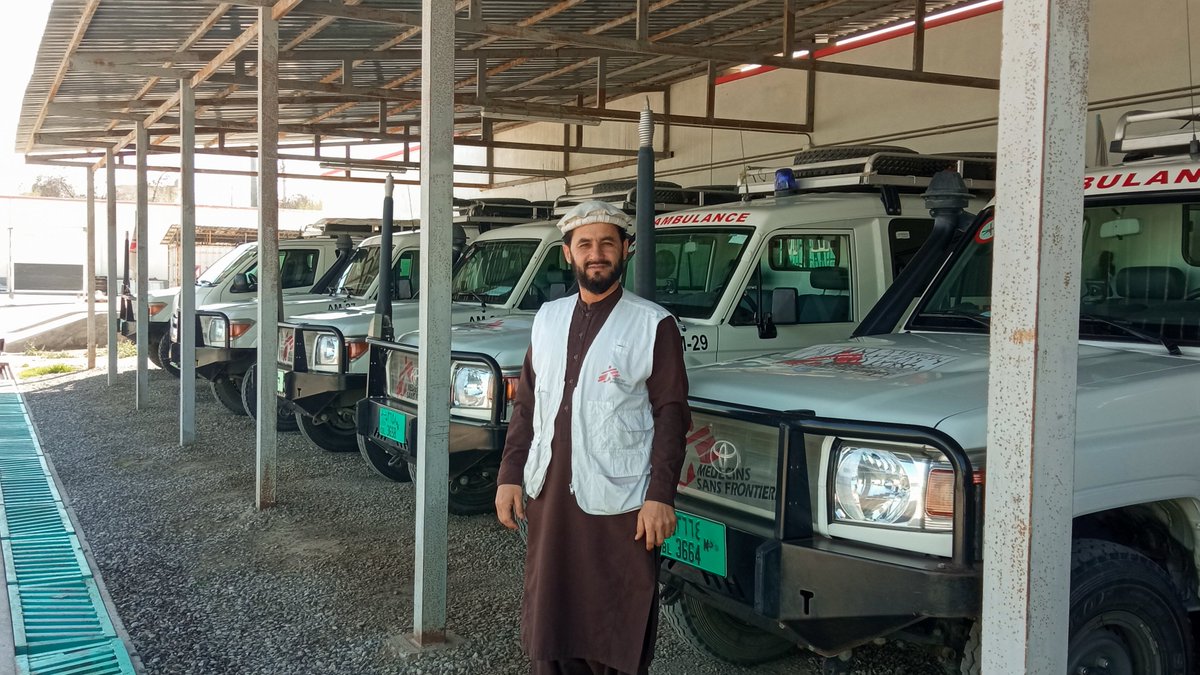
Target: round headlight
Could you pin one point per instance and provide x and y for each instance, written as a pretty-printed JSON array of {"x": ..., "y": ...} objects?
[
  {"x": 327, "y": 350},
  {"x": 873, "y": 486},
  {"x": 472, "y": 387}
]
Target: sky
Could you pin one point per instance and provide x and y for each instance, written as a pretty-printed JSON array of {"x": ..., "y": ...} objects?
[{"x": 21, "y": 34}]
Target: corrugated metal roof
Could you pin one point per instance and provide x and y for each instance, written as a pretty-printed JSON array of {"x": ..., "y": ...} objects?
[{"x": 152, "y": 27}]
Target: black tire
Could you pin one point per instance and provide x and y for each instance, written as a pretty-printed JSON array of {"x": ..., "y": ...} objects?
[
  {"x": 474, "y": 491},
  {"x": 333, "y": 434},
  {"x": 164, "y": 354},
  {"x": 153, "y": 353},
  {"x": 713, "y": 632},
  {"x": 229, "y": 392},
  {"x": 1126, "y": 613},
  {"x": 383, "y": 462},
  {"x": 284, "y": 419},
  {"x": 972, "y": 653}
]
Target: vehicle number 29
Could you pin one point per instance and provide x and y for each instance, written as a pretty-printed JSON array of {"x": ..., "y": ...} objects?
[{"x": 695, "y": 343}]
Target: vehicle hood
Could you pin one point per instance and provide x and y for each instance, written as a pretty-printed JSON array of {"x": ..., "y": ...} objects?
[
  {"x": 931, "y": 380},
  {"x": 355, "y": 321},
  {"x": 505, "y": 339},
  {"x": 307, "y": 303},
  {"x": 162, "y": 294}
]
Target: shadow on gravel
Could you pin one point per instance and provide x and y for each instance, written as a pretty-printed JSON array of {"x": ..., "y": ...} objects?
[{"x": 322, "y": 583}]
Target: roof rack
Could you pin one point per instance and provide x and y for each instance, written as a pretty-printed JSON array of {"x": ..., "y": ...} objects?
[
  {"x": 898, "y": 168},
  {"x": 1174, "y": 142},
  {"x": 490, "y": 209},
  {"x": 665, "y": 198}
]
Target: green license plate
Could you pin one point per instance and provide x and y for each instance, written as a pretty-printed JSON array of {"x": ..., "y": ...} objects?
[
  {"x": 279, "y": 382},
  {"x": 393, "y": 425},
  {"x": 699, "y": 542}
]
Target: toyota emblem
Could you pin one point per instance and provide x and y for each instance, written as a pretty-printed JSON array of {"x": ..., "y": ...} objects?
[{"x": 725, "y": 458}]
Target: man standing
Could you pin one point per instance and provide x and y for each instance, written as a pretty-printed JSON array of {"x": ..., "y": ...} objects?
[{"x": 597, "y": 439}]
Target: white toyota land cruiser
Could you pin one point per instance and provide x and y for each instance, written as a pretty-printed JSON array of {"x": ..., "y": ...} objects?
[{"x": 832, "y": 496}]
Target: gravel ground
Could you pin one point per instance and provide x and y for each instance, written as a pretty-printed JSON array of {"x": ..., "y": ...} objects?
[{"x": 322, "y": 583}]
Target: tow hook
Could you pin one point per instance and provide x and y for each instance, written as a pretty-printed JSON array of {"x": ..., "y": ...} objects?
[
  {"x": 837, "y": 665},
  {"x": 670, "y": 593}
]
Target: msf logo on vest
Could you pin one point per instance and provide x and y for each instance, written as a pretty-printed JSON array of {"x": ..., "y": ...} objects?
[{"x": 610, "y": 376}]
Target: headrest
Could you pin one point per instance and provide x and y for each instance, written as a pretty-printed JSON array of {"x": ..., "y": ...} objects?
[
  {"x": 558, "y": 276},
  {"x": 1151, "y": 283},
  {"x": 830, "y": 279}
]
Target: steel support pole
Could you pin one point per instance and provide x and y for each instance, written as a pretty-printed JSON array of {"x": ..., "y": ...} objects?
[
  {"x": 113, "y": 291},
  {"x": 1034, "y": 336},
  {"x": 89, "y": 267},
  {"x": 142, "y": 237},
  {"x": 433, "y": 422},
  {"x": 187, "y": 264},
  {"x": 265, "y": 469}
]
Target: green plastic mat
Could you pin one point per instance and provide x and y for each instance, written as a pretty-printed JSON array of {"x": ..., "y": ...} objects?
[{"x": 60, "y": 622}]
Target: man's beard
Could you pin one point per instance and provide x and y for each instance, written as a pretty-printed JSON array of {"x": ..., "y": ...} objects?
[{"x": 603, "y": 282}]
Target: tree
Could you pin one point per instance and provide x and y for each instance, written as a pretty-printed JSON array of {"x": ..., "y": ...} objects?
[
  {"x": 300, "y": 201},
  {"x": 162, "y": 191},
  {"x": 53, "y": 186}
]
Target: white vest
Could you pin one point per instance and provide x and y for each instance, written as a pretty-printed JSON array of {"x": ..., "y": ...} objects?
[{"x": 611, "y": 426}]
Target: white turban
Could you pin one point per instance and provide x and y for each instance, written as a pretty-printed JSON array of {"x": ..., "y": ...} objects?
[{"x": 594, "y": 211}]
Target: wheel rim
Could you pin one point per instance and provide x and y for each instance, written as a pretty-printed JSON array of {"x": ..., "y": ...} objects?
[
  {"x": 339, "y": 423},
  {"x": 474, "y": 484},
  {"x": 1114, "y": 643}
]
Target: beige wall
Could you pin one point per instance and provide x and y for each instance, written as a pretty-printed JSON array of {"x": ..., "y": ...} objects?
[{"x": 1139, "y": 50}]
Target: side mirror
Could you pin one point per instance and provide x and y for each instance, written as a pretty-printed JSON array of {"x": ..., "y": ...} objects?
[
  {"x": 766, "y": 327},
  {"x": 241, "y": 284}
]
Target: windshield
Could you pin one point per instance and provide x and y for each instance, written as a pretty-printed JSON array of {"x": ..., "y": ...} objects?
[
  {"x": 227, "y": 264},
  {"x": 692, "y": 267},
  {"x": 1141, "y": 273},
  {"x": 491, "y": 269},
  {"x": 362, "y": 271}
]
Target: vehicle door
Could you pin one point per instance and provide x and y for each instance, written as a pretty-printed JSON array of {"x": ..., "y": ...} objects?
[
  {"x": 801, "y": 290},
  {"x": 298, "y": 271}
]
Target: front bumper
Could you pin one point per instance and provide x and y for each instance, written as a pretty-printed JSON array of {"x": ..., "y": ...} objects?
[
  {"x": 311, "y": 392},
  {"x": 470, "y": 440},
  {"x": 212, "y": 362},
  {"x": 831, "y": 594}
]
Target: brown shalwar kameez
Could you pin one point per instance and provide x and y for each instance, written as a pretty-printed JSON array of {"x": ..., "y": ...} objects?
[{"x": 591, "y": 602}]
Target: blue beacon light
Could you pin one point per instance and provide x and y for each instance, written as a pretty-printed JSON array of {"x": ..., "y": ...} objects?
[{"x": 785, "y": 181}]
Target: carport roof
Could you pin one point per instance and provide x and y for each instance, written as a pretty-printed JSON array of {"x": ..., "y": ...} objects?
[{"x": 103, "y": 64}]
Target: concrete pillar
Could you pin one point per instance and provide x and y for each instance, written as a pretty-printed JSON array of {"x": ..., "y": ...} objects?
[
  {"x": 187, "y": 264},
  {"x": 265, "y": 470},
  {"x": 114, "y": 288},
  {"x": 1034, "y": 337},
  {"x": 433, "y": 421},
  {"x": 89, "y": 269},
  {"x": 142, "y": 237}
]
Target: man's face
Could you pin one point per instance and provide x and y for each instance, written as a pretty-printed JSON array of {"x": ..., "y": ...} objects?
[{"x": 597, "y": 255}]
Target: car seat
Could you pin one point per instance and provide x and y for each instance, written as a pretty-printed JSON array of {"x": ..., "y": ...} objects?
[{"x": 833, "y": 303}]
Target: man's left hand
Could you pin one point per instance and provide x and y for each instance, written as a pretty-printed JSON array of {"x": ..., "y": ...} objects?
[{"x": 656, "y": 522}]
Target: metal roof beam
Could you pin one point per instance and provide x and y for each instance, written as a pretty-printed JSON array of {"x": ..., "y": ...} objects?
[
  {"x": 281, "y": 9},
  {"x": 338, "y": 55},
  {"x": 236, "y": 172},
  {"x": 85, "y": 20}
]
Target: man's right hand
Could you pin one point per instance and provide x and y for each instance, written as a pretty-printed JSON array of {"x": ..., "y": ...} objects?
[{"x": 509, "y": 504}]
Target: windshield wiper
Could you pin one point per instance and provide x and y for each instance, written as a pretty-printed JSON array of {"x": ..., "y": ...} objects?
[
  {"x": 1171, "y": 347},
  {"x": 961, "y": 314},
  {"x": 471, "y": 295}
]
